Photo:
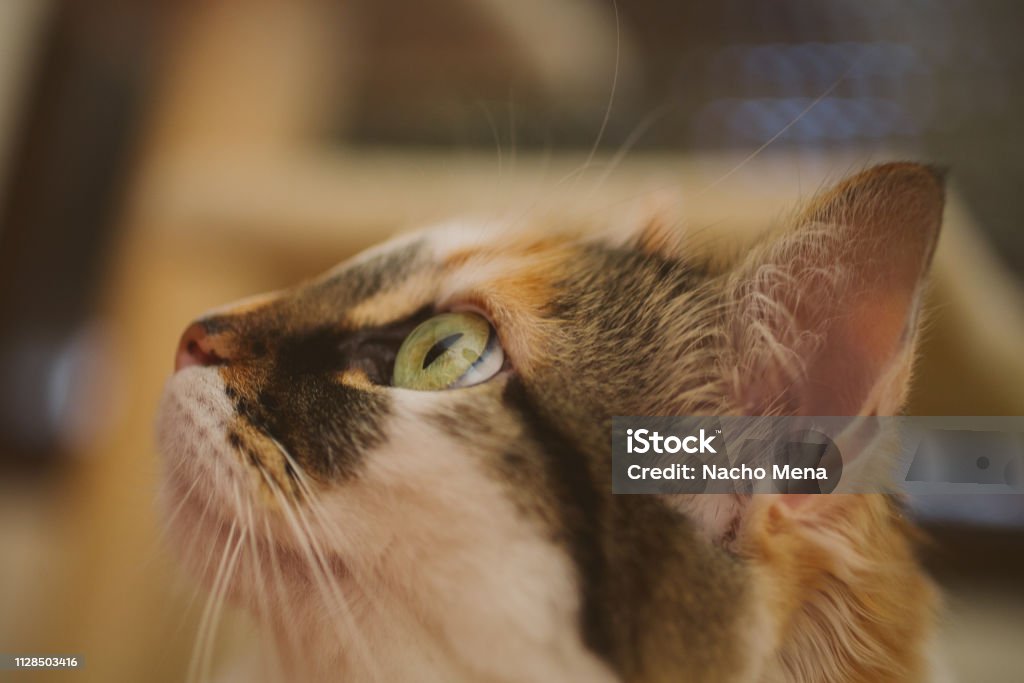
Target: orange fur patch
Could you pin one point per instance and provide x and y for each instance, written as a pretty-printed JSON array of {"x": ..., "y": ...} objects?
[{"x": 842, "y": 579}]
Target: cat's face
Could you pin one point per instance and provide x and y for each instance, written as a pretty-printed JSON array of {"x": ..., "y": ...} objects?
[{"x": 404, "y": 464}]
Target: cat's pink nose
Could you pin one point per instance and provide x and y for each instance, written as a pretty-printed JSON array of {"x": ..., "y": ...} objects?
[{"x": 195, "y": 348}]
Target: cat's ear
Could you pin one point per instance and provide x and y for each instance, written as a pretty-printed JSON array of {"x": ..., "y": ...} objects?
[{"x": 825, "y": 316}]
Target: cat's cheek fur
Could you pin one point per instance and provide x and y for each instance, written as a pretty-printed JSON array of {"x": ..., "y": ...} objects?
[
  {"x": 441, "y": 560},
  {"x": 446, "y": 544}
]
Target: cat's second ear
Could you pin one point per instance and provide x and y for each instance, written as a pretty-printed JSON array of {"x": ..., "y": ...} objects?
[{"x": 824, "y": 317}]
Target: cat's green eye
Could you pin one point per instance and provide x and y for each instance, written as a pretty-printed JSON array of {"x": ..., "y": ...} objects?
[{"x": 448, "y": 351}]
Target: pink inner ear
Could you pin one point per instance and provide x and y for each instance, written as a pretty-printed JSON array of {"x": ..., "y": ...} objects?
[
  {"x": 857, "y": 349},
  {"x": 850, "y": 280}
]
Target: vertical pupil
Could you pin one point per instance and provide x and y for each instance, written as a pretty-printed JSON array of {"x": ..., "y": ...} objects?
[{"x": 439, "y": 348}]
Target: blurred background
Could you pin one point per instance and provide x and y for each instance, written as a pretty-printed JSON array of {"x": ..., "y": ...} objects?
[{"x": 161, "y": 158}]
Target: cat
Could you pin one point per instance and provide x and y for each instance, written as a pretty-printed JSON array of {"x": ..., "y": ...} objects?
[{"x": 402, "y": 467}]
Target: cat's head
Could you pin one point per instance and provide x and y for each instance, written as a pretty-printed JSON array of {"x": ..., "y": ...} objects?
[{"x": 412, "y": 451}]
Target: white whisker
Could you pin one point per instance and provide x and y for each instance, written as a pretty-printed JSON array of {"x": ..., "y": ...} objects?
[
  {"x": 198, "y": 651},
  {"x": 319, "y": 568},
  {"x": 611, "y": 94}
]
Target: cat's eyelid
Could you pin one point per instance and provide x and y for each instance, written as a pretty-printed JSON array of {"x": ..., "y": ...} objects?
[
  {"x": 470, "y": 305},
  {"x": 466, "y": 306}
]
